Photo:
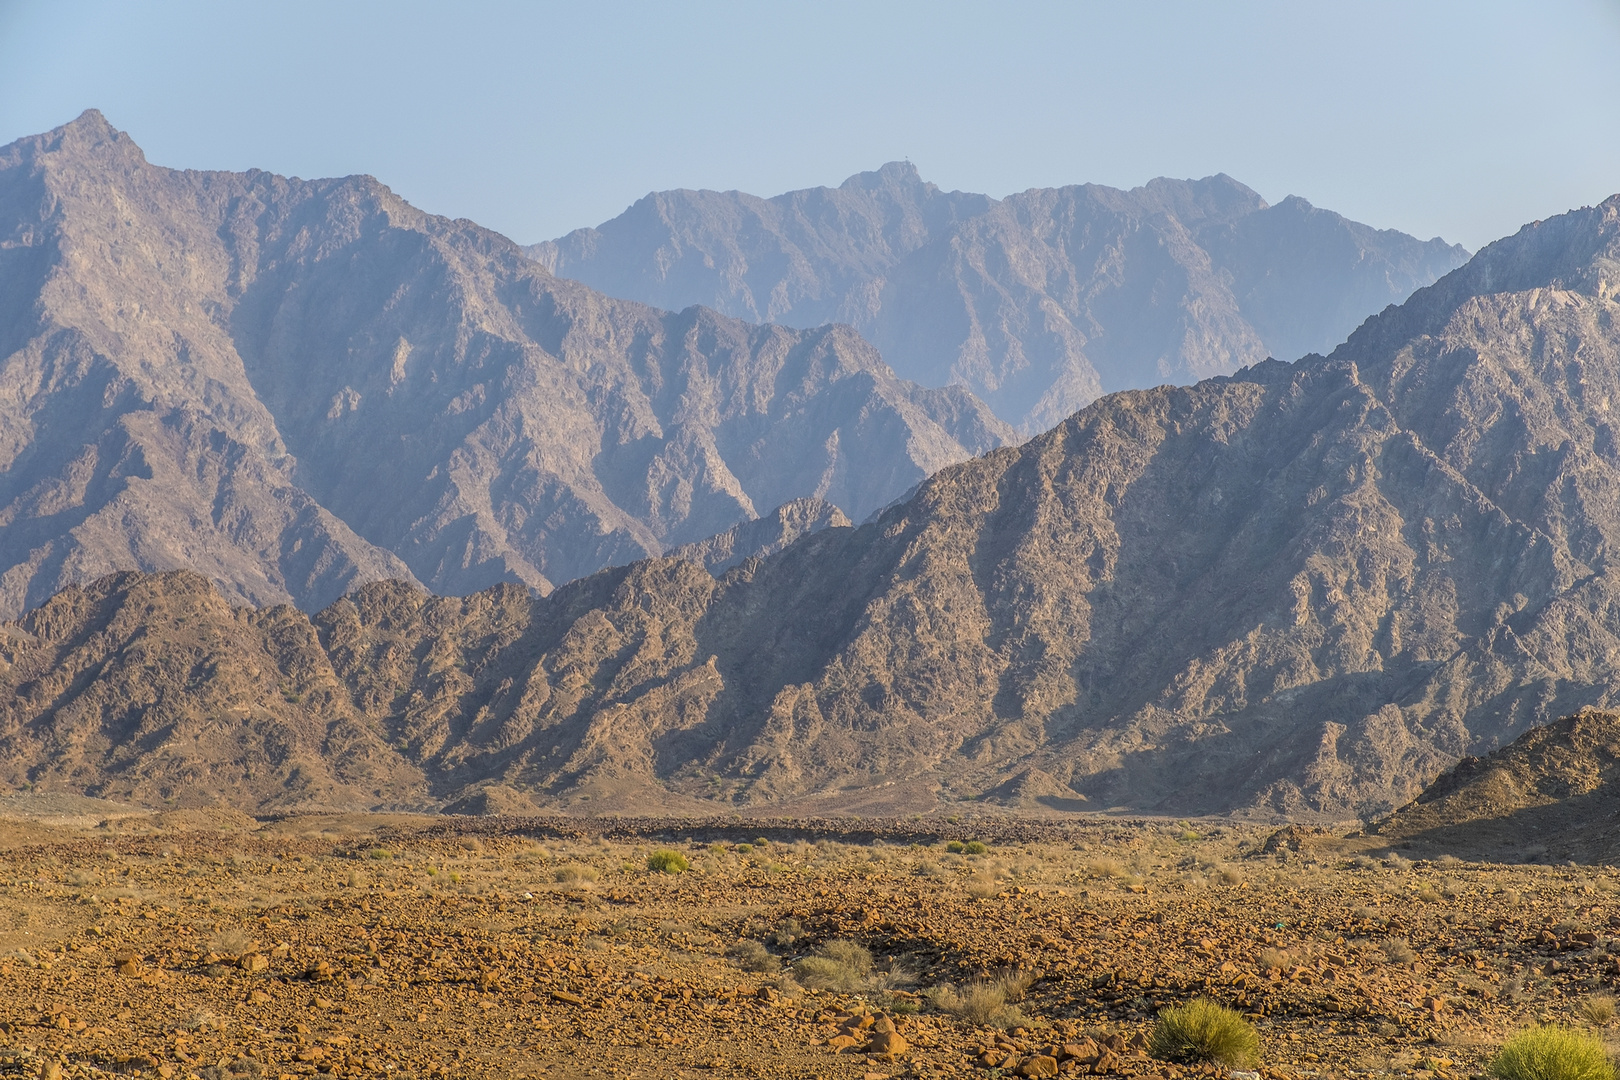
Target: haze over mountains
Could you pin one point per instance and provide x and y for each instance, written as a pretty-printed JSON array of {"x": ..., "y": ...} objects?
[
  {"x": 1040, "y": 302},
  {"x": 1304, "y": 589},
  {"x": 293, "y": 386}
]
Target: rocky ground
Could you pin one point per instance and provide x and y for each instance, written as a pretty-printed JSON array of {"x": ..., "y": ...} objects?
[{"x": 228, "y": 949}]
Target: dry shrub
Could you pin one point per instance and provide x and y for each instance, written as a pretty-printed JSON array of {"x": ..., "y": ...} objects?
[
  {"x": 1597, "y": 1009},
  {"x": 1399, "y": 951},
  {"x": 983, "y": 886},
  {"x": 230, "y": 942},
  {"x": 1014, "y": 982},
  {"x": 752, "y": 956},
  {"x": 837, "y": 965},
  {"x": 1552, "y": 1053},
  {"x": 983, "y": 1002},
  {"x": 576, "y": 874},
  {"x": 1205, "y": 1031},
  {"x": 1273, "y": 958},
  {"x": 1108, "y": 868}
]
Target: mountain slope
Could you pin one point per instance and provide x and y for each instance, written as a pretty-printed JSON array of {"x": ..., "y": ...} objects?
[
  {"x": 1306, "y": 589},
  {"x": 293, "y": 386},
  {"x": 1039, "y": 302},
  {"x": 1549, "y": 796}
]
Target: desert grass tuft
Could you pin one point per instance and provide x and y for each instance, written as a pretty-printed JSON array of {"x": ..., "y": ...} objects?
[
  {"x": 1270, "y": 959},
  {"x": 576, "y": 874},
  {"x": 837, "y": 965},
  {"x": 752, "y": 956},
  {"x": 1552, "y": 1053},
  {"x": 230, "y": 943},
  {"x": 1205, "y": 1031},
  {"x": 1399, "y": 951},
  {"x": 983, "y": 1002},
  {"x": 1596, "y": 1009}
]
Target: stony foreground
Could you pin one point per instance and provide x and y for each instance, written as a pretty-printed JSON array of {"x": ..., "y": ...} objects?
[{"x": 408, "y": 947}]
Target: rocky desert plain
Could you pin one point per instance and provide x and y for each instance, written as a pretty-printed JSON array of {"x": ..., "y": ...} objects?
[
  {"x": 1290, "y": 690},
  {"x": 212, "y": 945}
]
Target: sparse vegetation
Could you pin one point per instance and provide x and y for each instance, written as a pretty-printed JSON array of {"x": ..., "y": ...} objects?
[
  {"x": 1205, "y": 1031},
  {"x": 752, "y": 956},
  {"x": 1596, "y": 1009},
  {"x": 1552, "y": 1053},
  {"x": 983, "y": 1002},
  {"x": 576, "y": 874},
  {"x": 837, "y": 965},
  {"x": 667, "y": 861},
  {"x": 230, "y": 943},
  {"x": 1399, "y": 951},
  {"x": 1270, "y": 959},
  {"x": 787, "y": 933}
]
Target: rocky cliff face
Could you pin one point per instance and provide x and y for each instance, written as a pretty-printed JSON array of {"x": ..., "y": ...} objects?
[
  {"x": 1040, "y": 302},
  {"x": 293, "y": 386},
  {"x": 1305, "y": 589}
]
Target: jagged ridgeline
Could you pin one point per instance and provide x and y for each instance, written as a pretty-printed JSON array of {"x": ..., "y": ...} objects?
[
  {"x": 293, "y": 386},
  {"x": 1039, "y": 302},
  {"x": 1306, "y": 588}
]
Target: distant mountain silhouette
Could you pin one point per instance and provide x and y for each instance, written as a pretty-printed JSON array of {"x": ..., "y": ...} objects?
[{"x": 1039, "y": 302}]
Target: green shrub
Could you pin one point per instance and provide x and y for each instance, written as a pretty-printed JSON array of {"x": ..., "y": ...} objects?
[
  {"x": 955, "y": 847},
  {"x": 744, "y": 849},
  {"x": 975, "y": 847},
  {"x": 1205, "y": 1031},
  {"x": 1552, "y": 1053},
  {"x": 665, "y": 861}
]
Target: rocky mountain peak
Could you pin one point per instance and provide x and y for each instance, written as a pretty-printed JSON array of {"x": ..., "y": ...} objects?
[
  {"x": 293, "y": 386},
  {"x": 1039, "y": 302},
  {"x": 891, "y": 176}
]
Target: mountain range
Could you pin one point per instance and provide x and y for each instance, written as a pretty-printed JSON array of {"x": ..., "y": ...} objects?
[
  {"x": 1040, "y": 302},
  {"x": 1302, "y": 590},
  {"x": 295, "y": 386}
]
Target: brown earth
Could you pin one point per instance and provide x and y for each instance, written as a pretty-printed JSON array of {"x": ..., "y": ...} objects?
[{"x": 395, "y": 946}]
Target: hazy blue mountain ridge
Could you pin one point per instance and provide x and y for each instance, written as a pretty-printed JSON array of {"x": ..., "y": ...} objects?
[{"x": 1040, "y": 302}]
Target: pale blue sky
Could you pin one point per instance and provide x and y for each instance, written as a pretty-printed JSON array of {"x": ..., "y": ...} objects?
[{"x": 1462, "y": 119}]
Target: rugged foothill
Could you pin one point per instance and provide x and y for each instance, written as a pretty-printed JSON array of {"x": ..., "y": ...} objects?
[
  {"x": 1039, "y": 302},
  {"x": 292, "y": 386},
  {"x": 206, "y": 944}
]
